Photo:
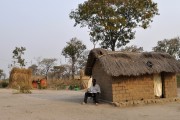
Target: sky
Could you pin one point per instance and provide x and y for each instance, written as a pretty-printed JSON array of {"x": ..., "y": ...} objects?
[{"x": 43, "y": 27}]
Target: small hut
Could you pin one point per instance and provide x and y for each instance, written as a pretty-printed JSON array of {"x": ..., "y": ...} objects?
[
  {"x": 84, "y": 79},
  {"x": 39, "y": 82},
  {"x": 20, "y": 78},
  {"x": 133, "y": 76},
  {"x": 43, "y": 83}
]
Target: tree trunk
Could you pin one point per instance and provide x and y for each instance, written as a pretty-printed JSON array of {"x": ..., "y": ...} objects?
[
  {"x": 113, "y": 43},
  {"x": 112, "y": 48},
  {"x": 46, "y": 75},
  {"x": 73, "y": 68}
]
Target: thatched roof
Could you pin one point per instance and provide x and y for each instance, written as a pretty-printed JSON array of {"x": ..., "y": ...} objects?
[{"x": 131, "y": 64}]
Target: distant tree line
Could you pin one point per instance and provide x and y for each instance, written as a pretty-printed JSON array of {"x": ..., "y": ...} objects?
[{"x": 77, "y": 55}]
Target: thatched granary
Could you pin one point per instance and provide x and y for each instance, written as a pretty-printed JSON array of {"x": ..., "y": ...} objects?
[
  {"x": 133, "y": 76},
  {"x": 20, "y": 77}
]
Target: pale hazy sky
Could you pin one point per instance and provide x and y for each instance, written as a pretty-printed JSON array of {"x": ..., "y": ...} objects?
[{"x": 44, "y": 27}]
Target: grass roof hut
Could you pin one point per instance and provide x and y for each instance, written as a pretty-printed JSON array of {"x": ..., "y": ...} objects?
[
  {"x": 20, "y": 78},
  {"x": 133, "y": 76}
]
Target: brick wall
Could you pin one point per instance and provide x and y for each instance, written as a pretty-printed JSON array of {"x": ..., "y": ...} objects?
[
  {"x": 170, "y": 85},
  {"x": 133, "y": 88},
  {"x": 104, "y": 81}
]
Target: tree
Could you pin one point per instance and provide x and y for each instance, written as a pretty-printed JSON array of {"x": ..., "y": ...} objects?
[
  {"x": 83, "y": 59},
  {"x": 47, "y": 64},
  {"x": 94, "y": 41},
  {"x": 132, "y": 48},
  {"x": 171, "y": 46},
  {"x": 73, "y": 50},
  {"x": 67, "y": 72},
  {"x": 17, "y": 56},
  {"x": 2, "y": 74},
  {"x": 34, "y": 69},
  {"x": 58, "y": 71},
  {"x": 113, "y": 21}
]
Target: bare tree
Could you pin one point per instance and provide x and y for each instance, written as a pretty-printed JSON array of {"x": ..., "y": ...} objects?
[{"x": 46, "y": 64}]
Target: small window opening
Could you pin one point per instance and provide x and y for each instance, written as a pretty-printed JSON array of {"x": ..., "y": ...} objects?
[{"x": 149, "y": 64}]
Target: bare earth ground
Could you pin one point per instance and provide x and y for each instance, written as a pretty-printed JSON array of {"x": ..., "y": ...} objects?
[{"x": 65, "y": 105}]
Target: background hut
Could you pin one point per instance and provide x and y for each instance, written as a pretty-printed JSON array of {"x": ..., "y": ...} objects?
[
  {"x": 20, "y": 78},
  {"x": 39, "y": 82},
  {"x": 133, "y": 76},
  {"x": 43, "y": 83},
  {"x": 84, "y": 79}
]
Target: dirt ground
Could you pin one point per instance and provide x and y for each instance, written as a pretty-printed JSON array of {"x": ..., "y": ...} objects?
[{"x": 65, "y": 105}]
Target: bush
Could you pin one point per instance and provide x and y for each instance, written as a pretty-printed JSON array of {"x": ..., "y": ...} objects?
[{"x": 4, "y": 84}]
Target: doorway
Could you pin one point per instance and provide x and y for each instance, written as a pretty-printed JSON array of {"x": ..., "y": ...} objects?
[{"x": 158, "y": 86}]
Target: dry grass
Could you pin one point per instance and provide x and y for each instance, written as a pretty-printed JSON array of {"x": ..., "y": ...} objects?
[
  {"x": 21, "y": 79},
  {"x": 63, "y": 84}
]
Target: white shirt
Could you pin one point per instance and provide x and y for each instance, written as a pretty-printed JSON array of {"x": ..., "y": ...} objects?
[{"x": 94, "y": 89}]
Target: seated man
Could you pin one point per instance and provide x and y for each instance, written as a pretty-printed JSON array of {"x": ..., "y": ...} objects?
[{"x": 93, "y": 92}]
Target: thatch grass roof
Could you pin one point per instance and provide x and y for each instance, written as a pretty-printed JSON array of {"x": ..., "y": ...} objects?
[{"x": 131, "y": 64}]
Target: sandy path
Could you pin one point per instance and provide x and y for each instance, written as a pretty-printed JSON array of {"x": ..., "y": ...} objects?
[{"x": 65, "y": 105}]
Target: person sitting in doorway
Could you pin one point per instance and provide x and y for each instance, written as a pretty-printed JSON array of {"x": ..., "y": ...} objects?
[{"x": 93, "y": 92}]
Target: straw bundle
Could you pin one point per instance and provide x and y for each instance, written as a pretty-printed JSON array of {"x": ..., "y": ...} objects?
[{"x": 20, "y": 79}]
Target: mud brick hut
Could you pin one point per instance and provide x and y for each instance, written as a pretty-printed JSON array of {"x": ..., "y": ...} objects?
[{"x": 133, "y": 76}]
